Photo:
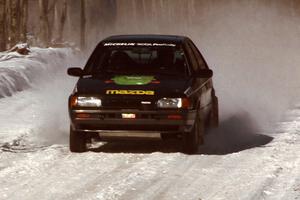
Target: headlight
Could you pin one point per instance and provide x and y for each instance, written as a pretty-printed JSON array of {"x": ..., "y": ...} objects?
[
  {"x": 86, "y": 101},
  {"x": 169, "y": 103}
]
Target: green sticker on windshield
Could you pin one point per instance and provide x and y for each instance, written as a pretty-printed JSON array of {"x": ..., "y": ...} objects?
[{"x": 133, "y": 80}]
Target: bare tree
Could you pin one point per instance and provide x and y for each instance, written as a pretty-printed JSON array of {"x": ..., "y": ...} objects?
[
  {"x": 51, "y": 17},
  {"x": 44, "y": 22},
  {"x": 82, "y": 25},
  {"x": 14, "y": 34},
  {"x": 23, "y": 20},
  {"x": 3, "y": 25},
  {"x": 62, "y": 21}
]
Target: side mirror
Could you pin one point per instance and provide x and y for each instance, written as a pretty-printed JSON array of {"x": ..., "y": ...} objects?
[
  {"x": 75, "y": 71},
  {"x": 204, "y": 73}
]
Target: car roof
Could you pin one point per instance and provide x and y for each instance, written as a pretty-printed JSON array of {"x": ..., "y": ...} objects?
[{"x": 147, "y": 38}]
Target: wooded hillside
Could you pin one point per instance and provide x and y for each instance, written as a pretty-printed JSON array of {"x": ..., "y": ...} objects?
[{"x": 82, "y": 22}]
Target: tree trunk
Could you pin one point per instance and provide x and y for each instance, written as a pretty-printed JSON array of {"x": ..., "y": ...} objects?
[
  {"x": 24, "y": 18},
  {"x": 62, "y": 21},
  {"x": 15, "y": 22},
  {"x": 51, "y": 17},
  {"x": 2, "y": 25},
  {"x": 82, "y": 26},
  {"x": 44, "y": 22}
]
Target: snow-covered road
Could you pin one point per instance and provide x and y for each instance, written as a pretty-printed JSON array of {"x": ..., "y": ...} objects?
[
  {"x": 267, "y": 172},
  {"x": 235, "y": 163}
]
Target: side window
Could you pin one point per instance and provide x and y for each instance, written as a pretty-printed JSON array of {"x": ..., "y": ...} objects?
[
  {"x": 198, "y": 56},
  {"x": 192, "y": 60}
]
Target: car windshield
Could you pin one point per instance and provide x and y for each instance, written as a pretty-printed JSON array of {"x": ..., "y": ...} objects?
[{"x": 165, "y": 60}]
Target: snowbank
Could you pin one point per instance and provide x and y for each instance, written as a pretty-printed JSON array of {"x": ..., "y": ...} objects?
[{"x": 19, "y": 72}]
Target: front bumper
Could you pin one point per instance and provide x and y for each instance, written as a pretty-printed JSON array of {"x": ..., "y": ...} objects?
[{"x": 146, "y": 122}]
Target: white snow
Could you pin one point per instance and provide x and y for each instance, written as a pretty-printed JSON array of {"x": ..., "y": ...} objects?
[
  {"x": 27, "y": 98},
  {"x": 35, "y": 162},
  {"x": 237, "y": 162},
  {"x": 269, "y": 172},
  {"x": 254, "y": 52},
  {"x": 19, "y": 72}
]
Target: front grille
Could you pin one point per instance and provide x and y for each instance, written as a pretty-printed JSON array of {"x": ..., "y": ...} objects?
[
  {"x": 127, "y": 103},
  {"x": 119, "y": 116}
]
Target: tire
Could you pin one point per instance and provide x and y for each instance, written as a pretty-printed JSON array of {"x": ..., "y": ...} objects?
[
  {"x": 214, "y": 113},
  {"x": 193, "y": 139},
  {"x": 77, "y": 142}
]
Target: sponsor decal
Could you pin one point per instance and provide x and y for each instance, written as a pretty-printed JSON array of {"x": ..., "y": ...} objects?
[
  {"x": 133, "y": 80},
  {"x": 139, "y": 44},
  {"x": 130, "y": 92},
  {"x": 119, "y": 44}
]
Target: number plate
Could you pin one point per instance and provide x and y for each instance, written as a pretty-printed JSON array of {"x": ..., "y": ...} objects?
[{"x": 128, "y": 116}]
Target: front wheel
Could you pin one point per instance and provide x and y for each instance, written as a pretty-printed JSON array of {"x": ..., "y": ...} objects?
[
  {"x": 192, "y": 139},
  {"x": 214, "y": 113},
  {"x": 77, "y": 141}
]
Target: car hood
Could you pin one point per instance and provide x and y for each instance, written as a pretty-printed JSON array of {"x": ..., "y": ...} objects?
[{"x": 158, "y": 86}]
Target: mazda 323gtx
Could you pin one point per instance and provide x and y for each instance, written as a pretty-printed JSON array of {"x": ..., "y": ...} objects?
[{"x": 143, "y": 85}]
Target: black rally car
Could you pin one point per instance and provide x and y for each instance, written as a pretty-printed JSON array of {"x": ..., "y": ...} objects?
[{"x": 142, "y": 85}]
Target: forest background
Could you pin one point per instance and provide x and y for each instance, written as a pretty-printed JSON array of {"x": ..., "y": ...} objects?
[{"x": 81, "y": 23}]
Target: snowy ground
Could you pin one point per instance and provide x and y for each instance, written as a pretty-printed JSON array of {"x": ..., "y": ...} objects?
[{"x": 35, "y": 162}]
